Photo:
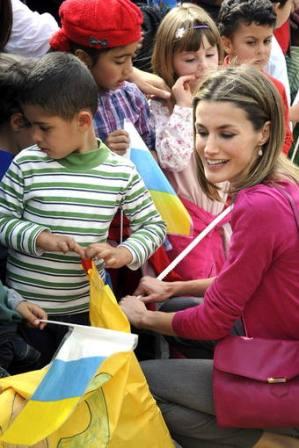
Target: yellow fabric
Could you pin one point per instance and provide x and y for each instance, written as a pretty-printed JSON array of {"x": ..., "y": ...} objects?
[
  {"x": 117, "y": 411},
  {"x": 135, "y": 419}
]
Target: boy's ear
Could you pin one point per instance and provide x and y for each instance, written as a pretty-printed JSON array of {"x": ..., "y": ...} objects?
[
  {"x": 227, "y": 44},
  {"x": 84, "y": 57},
  {"x": 17, "y": 121},
  {"x": 85, "y": 120}
]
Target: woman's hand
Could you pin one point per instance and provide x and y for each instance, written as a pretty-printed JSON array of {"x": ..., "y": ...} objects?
[
  {"x": 153, "y": 290},
  {"x": 134, "y": 309}
]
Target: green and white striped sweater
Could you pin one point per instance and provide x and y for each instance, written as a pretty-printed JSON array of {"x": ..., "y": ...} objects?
[{"x": 77, "y": 196}]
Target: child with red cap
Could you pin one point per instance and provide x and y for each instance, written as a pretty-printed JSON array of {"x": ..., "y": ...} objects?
[{"x": 105, "y": 36}]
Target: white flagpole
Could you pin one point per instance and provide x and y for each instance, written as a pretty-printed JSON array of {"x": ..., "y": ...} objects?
[{"x": 194, "y": 243}]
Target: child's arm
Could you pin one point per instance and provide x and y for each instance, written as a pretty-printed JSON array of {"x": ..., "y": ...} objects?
[
  {"x": 50, "y": 242},
  {"x": 18, "y": 233},
  {"x": 174, "y": 132},
  {"x": 148, "y": 228},
  {"x": 32, "y": 313},
  {"x": 113, "y": 257},
  {"x": 29, "y": 311},
  {"x": 150, "y": 84}
]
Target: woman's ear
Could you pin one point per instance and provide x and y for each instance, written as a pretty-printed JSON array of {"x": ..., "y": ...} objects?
[
  {"x": 84, "y": 57},
  {"x": 265, "y": 132}
]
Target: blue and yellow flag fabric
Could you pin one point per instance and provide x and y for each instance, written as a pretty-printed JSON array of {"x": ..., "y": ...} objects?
[
  {"x": 93, "y": 395},
  {"x": 168, "y": 204}
]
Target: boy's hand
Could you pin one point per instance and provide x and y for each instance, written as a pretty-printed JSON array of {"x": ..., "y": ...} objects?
[
  {"x": 50, "y": 242},
  {"x": 118, "y": 141},
  {"x": 114, "y": 257},
  {"x": 32, "y": 313}
]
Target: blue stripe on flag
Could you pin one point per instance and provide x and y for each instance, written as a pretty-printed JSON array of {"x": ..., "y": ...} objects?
[
  {"x": 149, "y": 170},
  {"x": 67, "y": 379}
]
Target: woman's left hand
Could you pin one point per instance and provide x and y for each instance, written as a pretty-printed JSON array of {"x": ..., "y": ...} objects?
[{"x": 134, "y": 309}]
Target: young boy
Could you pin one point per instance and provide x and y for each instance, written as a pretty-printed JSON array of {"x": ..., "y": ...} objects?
[
  {"x": 105, "y": 35},
  {"x": 16, "y": 356},
  {"x": 246, "y": 28},
  {"x": 58, "y": 198}
]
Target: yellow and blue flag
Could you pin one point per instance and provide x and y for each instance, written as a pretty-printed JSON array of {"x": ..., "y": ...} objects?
[
  {"x": 70, "y": 374},
  {"x": 168, "y": 204},
  {"x": 93, "y": 395}
]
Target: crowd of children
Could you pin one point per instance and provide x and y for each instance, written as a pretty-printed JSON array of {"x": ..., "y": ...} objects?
[{"x": 65, "y": 176}]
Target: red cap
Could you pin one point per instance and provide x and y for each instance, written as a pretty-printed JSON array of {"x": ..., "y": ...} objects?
[{"x": 97, "y": 24}]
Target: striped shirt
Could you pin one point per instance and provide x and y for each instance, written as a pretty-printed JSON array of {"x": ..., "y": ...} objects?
[
  {"x": 116, "y": 105},
  {"x": 77, "y": 196}
]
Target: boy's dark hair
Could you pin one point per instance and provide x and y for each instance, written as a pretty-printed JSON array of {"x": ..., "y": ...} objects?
[
  {"x": 61, "y": 85},
  {"x": 13, "y": 72},
  {"x": 235, "y": 12},
  {"x": 281, "y": 3}
]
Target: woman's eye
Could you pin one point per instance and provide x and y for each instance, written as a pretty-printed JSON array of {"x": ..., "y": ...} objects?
[
  {"x": 227, "y": 135},
  {"x": 201, "y": 133}
]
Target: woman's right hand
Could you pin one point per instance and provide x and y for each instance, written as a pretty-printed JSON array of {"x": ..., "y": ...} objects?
[{"x": 152, "y": 290}]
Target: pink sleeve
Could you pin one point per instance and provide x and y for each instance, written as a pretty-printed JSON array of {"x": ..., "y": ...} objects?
[
  {"x": 255, "y": 221},
  {"x": 174, "y": 136}
]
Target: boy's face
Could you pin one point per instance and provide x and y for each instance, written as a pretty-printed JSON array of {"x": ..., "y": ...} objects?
[
  {"x": 114, "y": 66},
  {"x": 55, "y": 136},
  {"x": 250, "y": 44}
]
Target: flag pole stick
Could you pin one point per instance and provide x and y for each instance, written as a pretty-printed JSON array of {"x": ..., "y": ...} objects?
[{"x": 194, "y": 243}]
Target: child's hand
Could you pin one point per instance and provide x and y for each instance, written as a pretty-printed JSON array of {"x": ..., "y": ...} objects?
[
  {"x": 50, "y": 242},
  {"x": 32, "y": 313},
  {"x": 118, "y": 141},
  {"x": 182, "y": 91},
  {"x": 114, "y": 257}
]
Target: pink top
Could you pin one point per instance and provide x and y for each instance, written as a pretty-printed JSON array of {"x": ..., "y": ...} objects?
[{"x": 260, "y": 278}]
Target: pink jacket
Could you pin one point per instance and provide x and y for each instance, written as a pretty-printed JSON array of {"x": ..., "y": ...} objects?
[{"x": 260, "y": 278}]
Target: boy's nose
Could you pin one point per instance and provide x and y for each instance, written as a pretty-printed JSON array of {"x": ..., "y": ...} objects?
[{"x": 36, "y": 137}]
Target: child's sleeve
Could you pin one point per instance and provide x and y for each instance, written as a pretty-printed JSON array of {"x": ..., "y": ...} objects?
[
  {"x": 143, "y": 123},
  {"x": 174, "y": 136},
  {"x": 13, "y": 298},
  {"x": 148, "y": 228},
  {"x": 16, "y": 231}
]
